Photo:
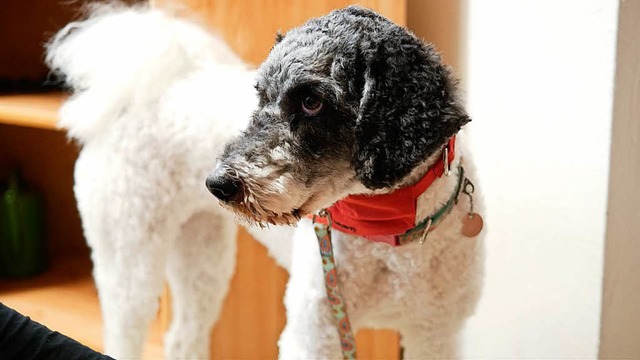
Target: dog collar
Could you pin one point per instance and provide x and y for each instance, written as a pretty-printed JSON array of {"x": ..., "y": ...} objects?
[{"x": 390, "y": 218}]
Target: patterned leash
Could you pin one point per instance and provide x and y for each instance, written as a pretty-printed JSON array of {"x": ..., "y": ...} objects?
[{"x": 323, "y": 233}]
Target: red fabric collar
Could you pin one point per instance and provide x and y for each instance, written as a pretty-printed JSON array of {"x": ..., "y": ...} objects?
[{"x": 381, "y": 218}]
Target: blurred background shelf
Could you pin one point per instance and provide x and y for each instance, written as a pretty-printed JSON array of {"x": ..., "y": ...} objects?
[{"x": 31, "y": 110}]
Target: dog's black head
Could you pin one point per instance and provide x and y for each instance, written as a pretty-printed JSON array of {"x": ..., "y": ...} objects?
[{"x": 349, "y": 103}]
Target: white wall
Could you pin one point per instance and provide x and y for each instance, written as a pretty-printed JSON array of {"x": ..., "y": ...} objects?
[{"x": 540, "y": 89}]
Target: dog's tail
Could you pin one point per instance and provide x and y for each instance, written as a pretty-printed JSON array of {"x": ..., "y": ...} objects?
[{"x": 120, "y": 55}]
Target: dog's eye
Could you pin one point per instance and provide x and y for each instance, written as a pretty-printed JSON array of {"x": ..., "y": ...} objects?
[{"x": 311, "y": 105}]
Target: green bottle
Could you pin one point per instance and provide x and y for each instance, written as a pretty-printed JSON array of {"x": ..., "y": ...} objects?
[{"x": 22, "y": 243}]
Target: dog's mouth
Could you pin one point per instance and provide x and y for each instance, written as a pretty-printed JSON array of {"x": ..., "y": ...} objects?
[{"x": 252, "y": 212}]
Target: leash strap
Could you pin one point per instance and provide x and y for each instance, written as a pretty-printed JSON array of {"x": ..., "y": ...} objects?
[{"x": 338, "y": 306}]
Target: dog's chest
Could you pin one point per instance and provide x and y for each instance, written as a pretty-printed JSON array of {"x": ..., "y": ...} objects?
[{"x": 378, "y": 279}]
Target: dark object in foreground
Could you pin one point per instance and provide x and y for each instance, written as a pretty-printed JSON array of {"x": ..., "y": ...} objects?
[{"x": 24, "y": 339}]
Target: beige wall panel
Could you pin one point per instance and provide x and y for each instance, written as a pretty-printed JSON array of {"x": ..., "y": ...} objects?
[
  {"x": 440, "y": 22},
  {"x": 620, "y": 326}
]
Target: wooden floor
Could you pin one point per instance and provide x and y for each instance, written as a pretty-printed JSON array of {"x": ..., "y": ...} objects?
[{"x": 65, "y": 299}]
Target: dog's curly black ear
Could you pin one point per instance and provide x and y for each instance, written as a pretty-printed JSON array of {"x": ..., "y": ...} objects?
[{"x": 408, "y": 109}]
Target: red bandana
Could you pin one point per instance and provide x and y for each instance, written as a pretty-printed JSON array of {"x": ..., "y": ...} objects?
[{"x": 381, "y": 218}]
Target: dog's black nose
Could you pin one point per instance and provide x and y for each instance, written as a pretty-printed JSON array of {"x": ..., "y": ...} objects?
[{"x": 225, "y": 187}]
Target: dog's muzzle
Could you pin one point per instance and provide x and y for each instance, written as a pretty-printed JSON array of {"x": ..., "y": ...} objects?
[{"x": 224, "y": 186}]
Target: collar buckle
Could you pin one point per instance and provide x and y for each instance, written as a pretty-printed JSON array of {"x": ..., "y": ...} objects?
[
  {"x": 323, "y": 213},
  {"x": 445, "y": 160},
  {"x": 423, "y": 238}
]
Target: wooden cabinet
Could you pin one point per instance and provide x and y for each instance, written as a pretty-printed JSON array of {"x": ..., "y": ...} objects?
[{"x": 250, "y": 26}]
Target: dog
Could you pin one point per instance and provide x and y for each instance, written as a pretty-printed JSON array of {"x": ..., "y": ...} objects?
[
  {"x": 154, "y": 100},
  {"x": 355, "y": 113}
]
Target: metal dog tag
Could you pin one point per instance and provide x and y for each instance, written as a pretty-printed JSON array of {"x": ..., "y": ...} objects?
[{"x": 472, "y": 225}]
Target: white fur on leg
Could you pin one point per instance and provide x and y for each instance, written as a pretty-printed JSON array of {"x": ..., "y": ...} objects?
[
  {"x": 199, "y": 271},
  {"x": 129, "y": 286},
  {"x": 128, "y": 250},
  {"x": 310, "y": 332}
]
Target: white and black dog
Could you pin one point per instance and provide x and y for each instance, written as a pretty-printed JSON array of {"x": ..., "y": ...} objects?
[
  {"x": 356, "y": 117},
  {"x": 349, "y": 105}
]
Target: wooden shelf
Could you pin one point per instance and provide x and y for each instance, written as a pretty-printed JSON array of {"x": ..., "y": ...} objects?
[
  {"x": 65, "y": 299},
  {"x": 31, "y": 110}
]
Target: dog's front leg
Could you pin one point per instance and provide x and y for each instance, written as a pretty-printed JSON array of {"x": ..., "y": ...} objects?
[
  {"x": 199, "y": 270},
  {"x": 310, "y": 332}
]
